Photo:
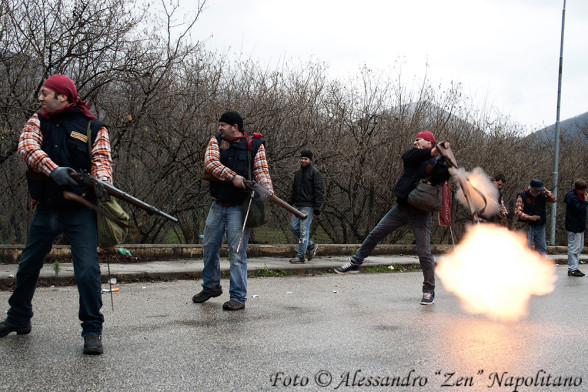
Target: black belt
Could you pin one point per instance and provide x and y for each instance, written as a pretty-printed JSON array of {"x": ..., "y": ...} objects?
[{"x": 222, "y": 203}]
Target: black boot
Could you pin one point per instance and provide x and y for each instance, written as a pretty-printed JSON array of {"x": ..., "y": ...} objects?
[
  {"x": 5, "y": 329},
  {"x": 93, "y": 345}
]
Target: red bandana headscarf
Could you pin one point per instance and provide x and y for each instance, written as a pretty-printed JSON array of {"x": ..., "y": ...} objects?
[
  {"x": 61, "y": 84},
  {"x": 426, "y": 135}
]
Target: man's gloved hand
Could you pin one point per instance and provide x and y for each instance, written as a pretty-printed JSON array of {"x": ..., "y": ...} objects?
[
  {"x": 100, "y": 191},
  {"x": 61, "y": 176}
]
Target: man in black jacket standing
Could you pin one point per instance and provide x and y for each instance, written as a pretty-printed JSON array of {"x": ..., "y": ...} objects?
[
  {"x": 576, "y": 203},
  {"x": 307, "y": 197}
]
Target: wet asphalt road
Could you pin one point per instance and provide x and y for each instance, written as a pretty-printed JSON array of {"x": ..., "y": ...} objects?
[{"x": 330, "y": 330}]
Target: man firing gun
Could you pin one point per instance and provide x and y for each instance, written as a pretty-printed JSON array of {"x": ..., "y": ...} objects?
[{"x": 419, "y": 162}]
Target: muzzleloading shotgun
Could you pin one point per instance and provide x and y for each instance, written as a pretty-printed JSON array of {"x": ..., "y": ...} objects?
[
  {"x": 464, "y": 182},
  {"x": 89, "y": 180},
  {"x": 254, "y": 186}
]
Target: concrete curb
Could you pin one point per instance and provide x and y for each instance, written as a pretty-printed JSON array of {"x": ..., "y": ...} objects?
[
  {"x": 180, "y": 262},
  {"x": 11, "y": 253},
  {"x": 192, "y": 269}
]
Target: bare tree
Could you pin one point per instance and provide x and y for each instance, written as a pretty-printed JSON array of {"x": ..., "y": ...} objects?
[
  {"x": 104, "y": 47},
  {"x": 161, "y": 95}
]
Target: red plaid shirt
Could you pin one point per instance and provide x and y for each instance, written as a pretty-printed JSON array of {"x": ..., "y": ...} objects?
[
  {"x": 31, "y": 139},
  {"x": 549, "y": 198},
  {"x": 214, "y": 166}
]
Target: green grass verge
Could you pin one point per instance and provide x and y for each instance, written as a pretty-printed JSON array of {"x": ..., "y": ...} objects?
[
  {"x": 391, "y": 268},
  {"x": 267, "y": 273}
]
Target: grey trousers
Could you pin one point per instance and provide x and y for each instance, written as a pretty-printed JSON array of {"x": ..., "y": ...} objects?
[{"x": 420, "y": 223}]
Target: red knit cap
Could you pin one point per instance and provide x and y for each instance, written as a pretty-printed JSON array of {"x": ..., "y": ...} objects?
[{"x": 426, "y": 135}]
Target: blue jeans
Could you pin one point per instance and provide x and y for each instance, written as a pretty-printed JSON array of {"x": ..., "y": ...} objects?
[
  {"x": 79, "y": 225},
  {"x": 420, "y": 222},
  {"x": 301, "y": 229},
  {"x": 575, "y": 246},
  {"x": 536, "y": 235},
  {"x": 220, "y": 221}
]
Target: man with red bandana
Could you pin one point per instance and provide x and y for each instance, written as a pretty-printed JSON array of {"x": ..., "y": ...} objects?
[
  {"x": 54, "y": 142},
  {"x": 420, "y": 162}
]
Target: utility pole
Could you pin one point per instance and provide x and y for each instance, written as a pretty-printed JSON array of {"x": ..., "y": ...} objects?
[{"x": 556, "y": 155}]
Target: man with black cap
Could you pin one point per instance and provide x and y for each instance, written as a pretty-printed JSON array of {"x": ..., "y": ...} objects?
[
  {"x": 53, "y": 144},
  {"x": 232, "y": 156},
  {"x": 530, "y": 208},
  {"x": 420, "y": 162},
  {"x": 307, "y": 197}
]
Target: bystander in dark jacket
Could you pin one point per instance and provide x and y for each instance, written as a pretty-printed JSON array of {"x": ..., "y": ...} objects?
[
  {"x": 576, "y": 202},
  {"x": 307, "y": 197}
]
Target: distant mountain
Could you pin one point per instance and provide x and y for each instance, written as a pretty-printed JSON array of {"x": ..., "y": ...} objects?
[
  {"x": 571, "y": 128},
  {"x": 575, "y": 127}
]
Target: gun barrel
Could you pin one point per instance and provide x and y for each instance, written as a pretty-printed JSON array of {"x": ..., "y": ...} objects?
[
  {"x": 273, "y": 198},
  {"x": 114, "y": 191},
  {"x": 262, "y": 191},
  {"x": 287, "y": 207}
]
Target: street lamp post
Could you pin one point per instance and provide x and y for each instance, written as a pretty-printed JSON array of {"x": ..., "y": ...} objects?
[{"x": 556, "y": 154}]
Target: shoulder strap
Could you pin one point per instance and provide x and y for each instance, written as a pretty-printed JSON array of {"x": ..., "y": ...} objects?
[
  {"x": 249, "y": 167},
  {"x": 89, "y": 137},
  {"x": 249, "y": 148}
]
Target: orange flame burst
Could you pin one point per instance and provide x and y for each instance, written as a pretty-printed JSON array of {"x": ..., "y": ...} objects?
[{"x": 494, "y": 273}]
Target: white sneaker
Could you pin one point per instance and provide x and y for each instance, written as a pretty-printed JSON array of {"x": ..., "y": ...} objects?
[{"x": 428, "y": 299}]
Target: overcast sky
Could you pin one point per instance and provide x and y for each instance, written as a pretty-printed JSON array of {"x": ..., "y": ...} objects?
[{"x": 503, "y": 52}]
